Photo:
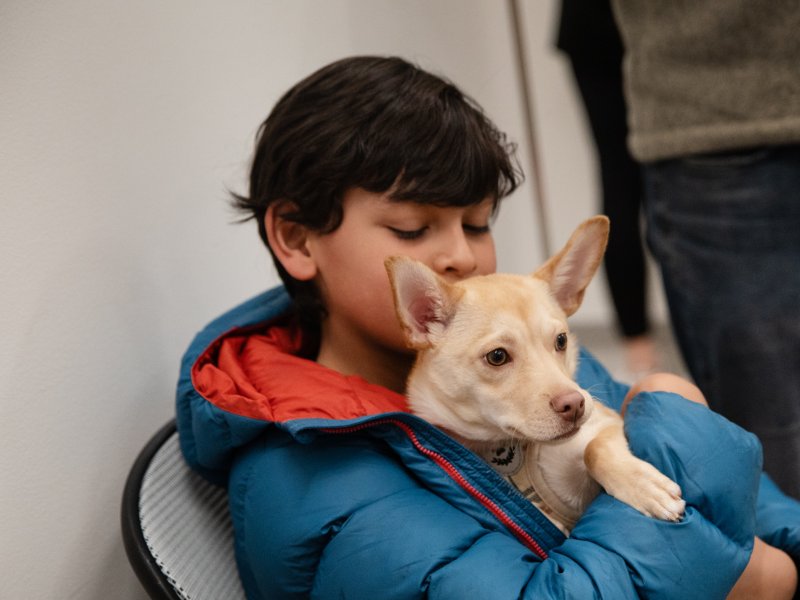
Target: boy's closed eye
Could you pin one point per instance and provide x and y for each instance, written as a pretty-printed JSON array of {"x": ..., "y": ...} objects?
[
  {"x": 408, "y": 234},
  {"x": 412, "y": 234},
  {"x": 476, "y": 229}
]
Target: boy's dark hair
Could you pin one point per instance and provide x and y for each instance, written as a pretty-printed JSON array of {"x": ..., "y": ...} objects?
[{"x": 381, "y": 124}]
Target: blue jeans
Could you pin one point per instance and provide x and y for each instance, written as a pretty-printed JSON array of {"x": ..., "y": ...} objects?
[{"x": 725, "y": 230}]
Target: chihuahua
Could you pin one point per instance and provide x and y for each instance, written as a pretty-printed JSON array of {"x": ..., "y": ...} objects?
[{"x": 494, "y": 369}]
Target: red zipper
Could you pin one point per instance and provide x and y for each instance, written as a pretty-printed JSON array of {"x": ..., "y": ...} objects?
[{"x": 453, "y": 472}]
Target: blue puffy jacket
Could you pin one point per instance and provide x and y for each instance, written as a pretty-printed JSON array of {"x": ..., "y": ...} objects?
[{"x": 336, "y": 491}]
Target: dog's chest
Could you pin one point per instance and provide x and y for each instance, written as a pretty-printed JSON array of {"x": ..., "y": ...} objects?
[{"x": 518, "y": 463}]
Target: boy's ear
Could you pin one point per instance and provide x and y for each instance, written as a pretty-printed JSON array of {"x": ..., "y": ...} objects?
[
  {"x": 569, "y": 272},
  {"x": 425, "y": 303},
  {"x": 288, "y": 241}
]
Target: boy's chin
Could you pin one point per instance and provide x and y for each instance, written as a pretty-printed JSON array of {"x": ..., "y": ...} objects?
[{"x": 397, "y": 344}]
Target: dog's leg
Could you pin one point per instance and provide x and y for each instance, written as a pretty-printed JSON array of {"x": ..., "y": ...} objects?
[{"x": 629, "y": 479}]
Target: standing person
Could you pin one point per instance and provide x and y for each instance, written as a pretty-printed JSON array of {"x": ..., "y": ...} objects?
[
  {"x": 588, "y": 35},
  {"x": 713, "y": 89}
]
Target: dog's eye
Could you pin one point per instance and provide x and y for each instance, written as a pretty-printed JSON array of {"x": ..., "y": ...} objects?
[
  {"x": 497, "y": 357},
  {"x": 561, "y": 342}
]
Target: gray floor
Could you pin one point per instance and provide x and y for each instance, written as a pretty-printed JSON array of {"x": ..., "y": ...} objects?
[{"x": 604, "y": 343}]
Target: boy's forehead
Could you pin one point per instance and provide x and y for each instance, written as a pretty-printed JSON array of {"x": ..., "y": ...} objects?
[{"x": 385, "y": 203}]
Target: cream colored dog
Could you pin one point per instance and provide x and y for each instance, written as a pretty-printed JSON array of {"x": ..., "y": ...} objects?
[{"x": 494, "y": 368}]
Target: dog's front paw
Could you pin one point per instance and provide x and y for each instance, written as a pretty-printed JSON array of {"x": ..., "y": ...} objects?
[{"x": 650, "y": 492}]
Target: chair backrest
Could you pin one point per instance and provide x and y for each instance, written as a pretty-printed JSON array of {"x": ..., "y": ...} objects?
[{"x": 176, "y": 528}]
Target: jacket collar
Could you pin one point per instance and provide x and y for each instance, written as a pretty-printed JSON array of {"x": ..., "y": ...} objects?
[{"x": 256, "y": 373}]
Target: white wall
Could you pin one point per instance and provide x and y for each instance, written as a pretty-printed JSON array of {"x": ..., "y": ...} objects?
[{"x": 121, "y": 126}]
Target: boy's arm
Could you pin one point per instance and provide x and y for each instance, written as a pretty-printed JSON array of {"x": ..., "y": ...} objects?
[
  {"x": 777, "y": 515},
  {"x": 717, "y": 465},
  {"x": 351, "y": 521}
]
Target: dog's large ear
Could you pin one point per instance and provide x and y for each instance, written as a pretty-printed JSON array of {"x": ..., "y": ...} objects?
[
  {"x": 569, "y": 272},
  {"x": 425, "y": 302}
]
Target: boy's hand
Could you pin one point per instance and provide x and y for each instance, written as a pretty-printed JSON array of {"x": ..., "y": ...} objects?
[
  {"x": 664, "y": 382},
  {"x": 698, "y": 448}
]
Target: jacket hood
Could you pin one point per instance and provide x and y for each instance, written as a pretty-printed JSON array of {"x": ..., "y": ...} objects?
[
  {"x": 229, "y": 393},
  {"x": 237, "y": 374}
]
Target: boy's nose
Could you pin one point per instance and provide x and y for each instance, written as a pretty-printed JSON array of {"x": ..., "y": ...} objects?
[{"x": 456, "y": 257}]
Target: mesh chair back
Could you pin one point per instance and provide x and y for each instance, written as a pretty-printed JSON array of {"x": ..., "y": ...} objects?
[{"x": 176, "y": 527}]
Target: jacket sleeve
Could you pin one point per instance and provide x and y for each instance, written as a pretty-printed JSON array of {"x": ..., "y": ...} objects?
[
  {"x": 777, "y": 515},
  {"x": 348, "y": 520},
  {"x": 778, "y": 519},
  {"x": 717, "y": 466}
]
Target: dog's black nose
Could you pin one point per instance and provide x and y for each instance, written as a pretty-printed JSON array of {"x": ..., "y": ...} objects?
[{"x": 569, "y": 406}]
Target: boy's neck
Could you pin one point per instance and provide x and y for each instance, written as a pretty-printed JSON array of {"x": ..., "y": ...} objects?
[{"x": 375, "y": 364}]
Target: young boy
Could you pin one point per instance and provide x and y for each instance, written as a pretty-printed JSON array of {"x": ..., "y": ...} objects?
[{"x": 294, "y": 399}]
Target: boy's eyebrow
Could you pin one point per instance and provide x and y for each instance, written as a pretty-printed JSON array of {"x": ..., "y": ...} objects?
[
  {"x": 386, "y": 205},
  {"x": 390, "y": 201}
]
